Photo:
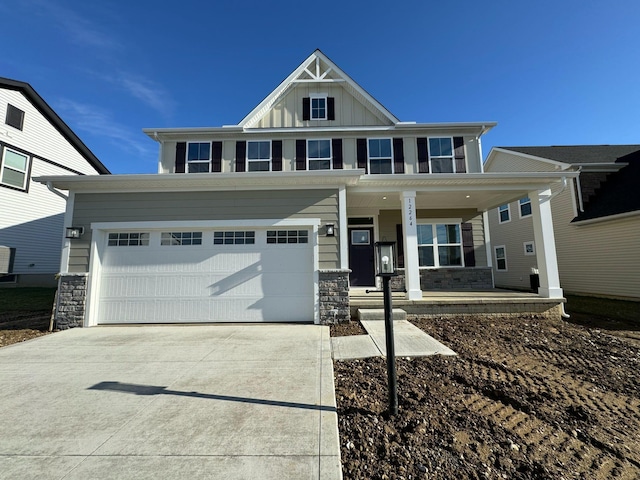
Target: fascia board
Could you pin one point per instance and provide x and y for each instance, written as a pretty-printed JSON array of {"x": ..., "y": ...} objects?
[{"x": 203, "y": 181}]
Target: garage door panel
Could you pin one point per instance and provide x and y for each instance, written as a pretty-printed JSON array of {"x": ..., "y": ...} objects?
[{"x": 207, "y": 283}]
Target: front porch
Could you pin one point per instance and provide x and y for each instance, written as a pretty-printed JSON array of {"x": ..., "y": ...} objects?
[{"x": 446, "y": 303}]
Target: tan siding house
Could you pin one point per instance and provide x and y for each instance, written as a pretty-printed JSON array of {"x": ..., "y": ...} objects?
[{"x": 596, "y": 219}]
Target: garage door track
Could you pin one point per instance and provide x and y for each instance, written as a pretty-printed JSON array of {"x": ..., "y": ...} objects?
[{"x": 221, "y": 401}]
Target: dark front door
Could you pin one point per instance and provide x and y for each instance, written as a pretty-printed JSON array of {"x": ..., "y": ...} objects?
[{"x": 361, "y": 257}]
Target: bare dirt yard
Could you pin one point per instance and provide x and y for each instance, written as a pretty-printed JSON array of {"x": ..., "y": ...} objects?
[
  {"x": 25, "y": 313},
  {"x": 525, "y": 398}
]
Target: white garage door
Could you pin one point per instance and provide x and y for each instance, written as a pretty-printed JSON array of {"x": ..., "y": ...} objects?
[{"x": 243, "y": 275}]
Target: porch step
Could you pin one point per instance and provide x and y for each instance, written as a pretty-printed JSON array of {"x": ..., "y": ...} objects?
[{"x": 378, "y": 314}]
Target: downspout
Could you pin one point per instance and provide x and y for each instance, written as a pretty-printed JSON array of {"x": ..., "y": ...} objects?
[{"x": 57, "y": 192}]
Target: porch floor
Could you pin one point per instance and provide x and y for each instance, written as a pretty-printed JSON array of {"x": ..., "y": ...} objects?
[{"x": 495, "y": 301}]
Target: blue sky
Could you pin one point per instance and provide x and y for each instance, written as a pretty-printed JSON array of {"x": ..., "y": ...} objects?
[{"x": 549, "y": 72}]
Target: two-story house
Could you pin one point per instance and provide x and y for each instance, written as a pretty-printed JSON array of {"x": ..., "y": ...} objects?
[
  {"x": 34, "y": 141},
  {"x": 275, "y": 218},
  {"x": 596, "y": 219}
]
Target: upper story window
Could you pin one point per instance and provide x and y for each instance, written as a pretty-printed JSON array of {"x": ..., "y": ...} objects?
[
  {"x": 198, "y": 157},
  {"x": 14, "y": 170},
  {"x": 318, "y": 108},
  {"x": 15, "y": 117},
  {"x": 504, "y": 213},
  {"x": 525, "y": 207},
  {"x": 439, "y": 245},
  {"x": 380, "y": 156},
  {"x": 441, "y": 155},
  {"x": 259, "y": 156},
  {"x": 319, "y": 154}
]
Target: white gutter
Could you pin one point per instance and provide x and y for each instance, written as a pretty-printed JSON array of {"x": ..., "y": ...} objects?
[
  {"x": 57, "y": 192},
  {"x": 579, "y": 187}
]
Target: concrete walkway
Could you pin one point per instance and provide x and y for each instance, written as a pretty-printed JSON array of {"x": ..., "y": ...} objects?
[
  {"x": 410, "y": 341},
  {"x": 223, "y": 401}
]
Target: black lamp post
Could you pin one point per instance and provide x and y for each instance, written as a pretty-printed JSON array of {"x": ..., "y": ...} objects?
[{"x": 386, "y": 268}]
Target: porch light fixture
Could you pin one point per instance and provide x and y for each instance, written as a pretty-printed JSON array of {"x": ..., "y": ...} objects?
[
  {"x": 330, "y": 230},
  {"x": 74, "y": 232}
]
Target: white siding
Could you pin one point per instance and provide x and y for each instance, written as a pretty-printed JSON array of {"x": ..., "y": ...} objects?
[
  {"x": 32, "y": 221},
  {"x": 506, "y": 162}
]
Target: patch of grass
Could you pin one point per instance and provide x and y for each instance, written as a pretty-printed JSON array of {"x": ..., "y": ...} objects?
[
  {"x": 604, "y": 307},
  {"x": 27, "y": 299}
]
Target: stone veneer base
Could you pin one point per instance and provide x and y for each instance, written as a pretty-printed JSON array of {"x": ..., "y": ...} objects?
[
  {"x": 72, "y": 294},
  {"x": 333, "y": 288}
]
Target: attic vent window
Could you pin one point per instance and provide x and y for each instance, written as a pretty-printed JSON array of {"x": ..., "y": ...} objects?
[{"x": 15, "y": 117}]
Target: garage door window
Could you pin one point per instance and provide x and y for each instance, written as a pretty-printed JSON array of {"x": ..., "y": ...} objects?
[
  {"x": 287, "y": 236},
  {"x": 137, "y": 239},
  {"x": 181, "y": 238},
  {"x": 234, "y": 238}
]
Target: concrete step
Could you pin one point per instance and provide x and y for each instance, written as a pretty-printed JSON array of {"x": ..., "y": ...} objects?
[{"x": 378, "y": 314}]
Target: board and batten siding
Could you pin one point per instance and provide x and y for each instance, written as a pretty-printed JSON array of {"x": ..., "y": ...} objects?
[
  {"x": 287, "y": 111},
  {"x": 196, "y": 206},
  {"x": 38, "y": 136}
]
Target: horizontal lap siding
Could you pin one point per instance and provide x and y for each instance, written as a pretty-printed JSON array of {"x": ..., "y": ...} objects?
[{"x": 197, "y": 206}]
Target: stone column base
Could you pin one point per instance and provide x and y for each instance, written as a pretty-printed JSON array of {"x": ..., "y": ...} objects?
[
  {"x": 72, "y": 294},
  {"x": 333, "y": 288}
]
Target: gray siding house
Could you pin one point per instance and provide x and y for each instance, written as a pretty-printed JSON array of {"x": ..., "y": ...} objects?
[{"x": 275, "y": 218}]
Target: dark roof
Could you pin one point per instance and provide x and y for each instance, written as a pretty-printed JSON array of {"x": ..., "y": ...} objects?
[
  {"x": 574, "y": 154},
  {"x": 618, "y": 194},
  {"x": 55, "y": 120}
]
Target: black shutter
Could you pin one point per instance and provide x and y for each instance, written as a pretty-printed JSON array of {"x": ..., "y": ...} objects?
[
  {"x": 306, "y": 108},
  {"x": 301, "y": 154},
  {"x": 336, "y": 151},
  {"x": 241, "y": 154},
  {"x": 276, "y": 155},
  {"x": 181, "y": 156},
  {"x": 400, "y": 242},
  {"x": 458, "y": 146},
  {"x": 216, "y": 156},
  {"x": 362, "y": 153},
  {"x": 467, "y": 245},
  {"x": 331, "y": 108},
  {"x": 423, "y": 156},
  {"x": 398, "y": 155}
]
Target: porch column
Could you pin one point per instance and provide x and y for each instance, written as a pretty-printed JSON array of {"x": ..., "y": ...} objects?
[
  {"x": 410, "y": 239},
  {"x": 343, "y": 234},
  {"x": 545, "y": 244}
]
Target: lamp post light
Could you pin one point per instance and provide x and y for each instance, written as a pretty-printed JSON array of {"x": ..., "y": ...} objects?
[{"x": 386, "y": 268}]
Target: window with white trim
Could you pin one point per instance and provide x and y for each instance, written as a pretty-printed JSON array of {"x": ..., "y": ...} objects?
[
  {"x": 259, "y": 156},
  {"x": 319, "y": 154},
  {"x": 525, "y": 207},
  {"x": 14, "y": 170},
  {"x": 439, "y": 245},
  {"x": 198, "y": 157},
  {"x": 380, "y": 155},
  {"x": 319, "y": 108},
  {"x": 529, "y": 248},
  {"x": 234, "y": 238},
  {"x": 128, "y": 239},
  {"x": 504, "y": 213},
  {"x": 181, "y": 238},
  {"x": 441, "y": 158},
  {"x": 501, "y": 258}
]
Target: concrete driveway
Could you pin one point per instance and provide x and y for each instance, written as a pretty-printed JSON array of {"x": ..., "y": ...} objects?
[{"x": 221, "y": 401}]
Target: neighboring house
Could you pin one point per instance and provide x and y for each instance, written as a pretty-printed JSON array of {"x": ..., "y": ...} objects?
[
  {"x": 275, "y": 218},
  {"x": 596, "y": 219},
  {"x": 34, "y": 141}
]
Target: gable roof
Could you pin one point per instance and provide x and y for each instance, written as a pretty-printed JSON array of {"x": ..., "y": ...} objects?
[
  {"x": 317, "y": 68},
  {"x": 38, "y": 102},
  {"x": 578, "y": 154}
]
